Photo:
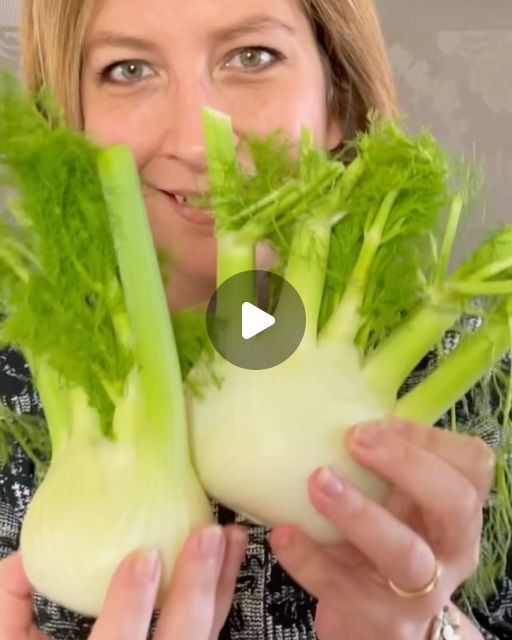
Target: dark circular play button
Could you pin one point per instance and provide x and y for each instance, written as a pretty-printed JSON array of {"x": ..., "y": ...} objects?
[{"x": 256, "y": 319}]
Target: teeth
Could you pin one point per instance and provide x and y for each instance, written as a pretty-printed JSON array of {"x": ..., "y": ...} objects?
[{"x": 181, "y": 199}]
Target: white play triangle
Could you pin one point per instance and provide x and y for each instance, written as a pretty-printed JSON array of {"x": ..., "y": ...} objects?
[{"x": 254, "y": 320}]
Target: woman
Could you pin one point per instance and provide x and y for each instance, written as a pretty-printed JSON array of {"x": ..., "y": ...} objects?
[{"x": 139, "y": 73}]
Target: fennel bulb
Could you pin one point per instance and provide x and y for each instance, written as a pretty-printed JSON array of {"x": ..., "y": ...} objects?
[
  {"x": 258, "y": 452},
  {"x": 83, "y": 300}
]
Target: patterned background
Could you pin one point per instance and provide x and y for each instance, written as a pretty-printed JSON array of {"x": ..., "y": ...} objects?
[{"x": 453, "y": 65}]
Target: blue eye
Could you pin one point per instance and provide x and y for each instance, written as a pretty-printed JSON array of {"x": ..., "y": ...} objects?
[
  {"x": 126, "y": 71},
  {"x": 254, "y": 58}
]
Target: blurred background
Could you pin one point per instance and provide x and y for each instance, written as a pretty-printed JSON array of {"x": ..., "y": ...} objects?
[{"x": 453, "y": 65}]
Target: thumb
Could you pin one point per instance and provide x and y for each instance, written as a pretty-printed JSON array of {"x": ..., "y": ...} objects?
[{"x": 16, "y": 621}]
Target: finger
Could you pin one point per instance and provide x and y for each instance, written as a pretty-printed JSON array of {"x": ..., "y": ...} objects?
[
  {"x": 329, "y": 623},
  {"x": 448, "y": 502},
  {"x": 307, "y": 563},
  {"x": 16, "y": 618},
  {"x": 189, "y": 608},
  {"x": 126, "y": 613},
  {"x": 236, "y": 543},
  {"x": 398, "y": 552},
  {"x": 469, "y": 454}
]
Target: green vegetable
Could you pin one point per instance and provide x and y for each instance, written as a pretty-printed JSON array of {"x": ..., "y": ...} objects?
[
  {"x": 83, "y": 300},
  {"x": 367, "y": 246}
]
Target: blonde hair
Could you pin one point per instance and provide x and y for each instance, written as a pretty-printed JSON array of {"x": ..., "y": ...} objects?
[
  {"x": 53, "y": 33},
  {"x": 348, "y": 33}
]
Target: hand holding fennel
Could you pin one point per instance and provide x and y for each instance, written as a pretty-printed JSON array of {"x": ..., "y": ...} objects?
[
  {"x": 83, "y": 300},
  {"x": 432, "y": 515},
  {"x": 195, "y": 606}
]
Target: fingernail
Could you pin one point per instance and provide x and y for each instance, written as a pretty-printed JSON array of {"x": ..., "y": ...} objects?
[
  {"x": 210, "y": 540},
  {"x": 145, "y": 565},
  {"x": 330, "y": 483},
  {"x": 367, "y": 435}
]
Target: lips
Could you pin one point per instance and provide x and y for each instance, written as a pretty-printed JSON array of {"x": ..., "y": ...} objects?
[{"x": 179, "y": 205}]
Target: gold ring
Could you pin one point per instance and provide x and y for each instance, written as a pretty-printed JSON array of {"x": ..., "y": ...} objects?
[{"x": 423, "y": 591}]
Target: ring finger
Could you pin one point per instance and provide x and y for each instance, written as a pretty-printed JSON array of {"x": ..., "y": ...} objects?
[
  {"x": 398, "y": 552},
  {"x": 448, "y": 502}
]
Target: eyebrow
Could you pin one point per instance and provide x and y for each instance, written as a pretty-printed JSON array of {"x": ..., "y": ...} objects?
[{"x": 248, "y": 25}]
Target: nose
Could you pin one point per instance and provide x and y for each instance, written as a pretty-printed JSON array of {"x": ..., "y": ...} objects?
[{"x": 183, "y": 139}]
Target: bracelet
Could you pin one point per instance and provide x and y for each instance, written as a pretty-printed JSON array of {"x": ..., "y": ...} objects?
[{"x": 445, "y": 625}]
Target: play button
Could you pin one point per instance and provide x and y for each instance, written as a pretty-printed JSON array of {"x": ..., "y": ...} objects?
[{"x": 256, "y": 319}]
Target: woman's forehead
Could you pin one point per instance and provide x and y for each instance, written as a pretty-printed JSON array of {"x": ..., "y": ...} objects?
[{"x": 198, "y": 16}]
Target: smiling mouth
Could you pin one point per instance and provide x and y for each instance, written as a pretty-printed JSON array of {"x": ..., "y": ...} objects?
[{"x": 195, "y": 215}]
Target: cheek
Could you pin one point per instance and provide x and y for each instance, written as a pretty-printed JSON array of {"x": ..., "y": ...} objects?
[
  {"x": 306, "y": 110},
  {"x": 288, "y": 107},
  {"x": 107, "y": 121}
]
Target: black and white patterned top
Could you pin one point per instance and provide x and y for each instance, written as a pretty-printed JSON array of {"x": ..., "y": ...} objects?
[{"x": 268, "y": 604}]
